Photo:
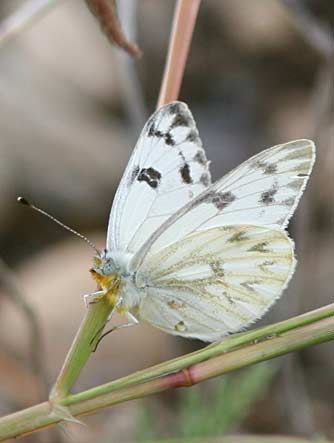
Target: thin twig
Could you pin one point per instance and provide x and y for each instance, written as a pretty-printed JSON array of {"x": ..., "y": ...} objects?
[
  {"x": 106, "y": 13},
  {"x": 11, "y": 286},
  {"x": 24, "y": 17},
  {"x": 181, "y": 35}
]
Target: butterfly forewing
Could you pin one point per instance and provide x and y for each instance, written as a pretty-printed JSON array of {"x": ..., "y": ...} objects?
[
  {"x": 216, "y": 281},
  {"x": 264, "y": 190},
  {"x": 168, "y": 168}
]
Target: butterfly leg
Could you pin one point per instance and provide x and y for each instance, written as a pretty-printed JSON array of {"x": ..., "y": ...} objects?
[
  {"x": 93, "y": 297},
  {"x": 132, "y": 319},
  {"x": 132, "y": 322},
  {"x": 124, "y": 325}
]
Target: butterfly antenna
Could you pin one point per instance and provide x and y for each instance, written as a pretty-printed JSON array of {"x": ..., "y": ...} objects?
[{"x": 25, "y": 202}]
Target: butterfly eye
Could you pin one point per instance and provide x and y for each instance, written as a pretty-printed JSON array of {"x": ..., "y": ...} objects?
[{"x": 97, "y": 262}]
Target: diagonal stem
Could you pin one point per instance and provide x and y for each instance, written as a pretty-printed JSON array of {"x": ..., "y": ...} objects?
[{"x": 229, "y": 344}]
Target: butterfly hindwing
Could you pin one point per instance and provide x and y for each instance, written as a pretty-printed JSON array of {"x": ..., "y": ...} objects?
[
  {"x": 167, "y": 169},
  {"x": 216, "y": 281}
]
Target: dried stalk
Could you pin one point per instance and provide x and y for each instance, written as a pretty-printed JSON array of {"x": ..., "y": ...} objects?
[
  {"x": 181, "y": 35},
  {"x": 106, "y": 13}
]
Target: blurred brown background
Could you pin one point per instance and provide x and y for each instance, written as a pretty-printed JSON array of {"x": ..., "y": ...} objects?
[{"x": 259, "y": 73}]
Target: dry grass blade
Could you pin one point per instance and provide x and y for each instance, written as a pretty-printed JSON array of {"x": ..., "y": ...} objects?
[{"x": 106, "y": 13}]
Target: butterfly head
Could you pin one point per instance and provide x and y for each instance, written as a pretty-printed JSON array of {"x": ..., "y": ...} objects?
[
  {"x": 103, "y": 264},
  {"x": 104, "y": 272}
]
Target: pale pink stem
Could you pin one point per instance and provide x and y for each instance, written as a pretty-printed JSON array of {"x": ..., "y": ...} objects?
[{"x": 182, "y": 31}]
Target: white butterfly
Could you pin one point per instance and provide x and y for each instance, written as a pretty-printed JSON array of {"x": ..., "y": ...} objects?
[{"x": 194, "y": 258}]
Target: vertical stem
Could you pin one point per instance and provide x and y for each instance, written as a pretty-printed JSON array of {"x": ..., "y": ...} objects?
[
  {"x": 182, "y": 31},
  {"x": 81, "y": 348},
  {"x": 97, "y": 315}
]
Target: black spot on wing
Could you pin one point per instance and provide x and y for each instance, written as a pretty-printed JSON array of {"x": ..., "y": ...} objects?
[
  {"x": 166, "y": 136},
  {"x": 267, "y": 168},
  {"x": 169, "y": 139},
  {"x": 270, "y": 168},
  {"x": 200, "y": 158},
  {"x": 185, "y": 174},
  {"x": 267, "y": 197},
  {"x": 192, "y": 136},
  {"x": 302, "y": 175},
  {"x": 220, "y": 199},
  {"x": 150, "y": 176},
  {"x": 205, "y": 179},
  {"x": 223, "y": 199},
  {"x": 175, "y": 108},
  {"x": 181, "y": 119},
  {"x": 153, "y": 132},
  {"x": 134, "y": 174}
]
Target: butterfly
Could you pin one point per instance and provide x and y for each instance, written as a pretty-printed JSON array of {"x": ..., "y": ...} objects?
[{"x": 191, "y": 257}]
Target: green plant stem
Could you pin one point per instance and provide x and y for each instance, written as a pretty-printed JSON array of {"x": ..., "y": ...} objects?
[
  {"x": 230, "y": 343},
  {"x": 316, "y": 333},
  {"x": 300, "y": 332},
  {"x": 81, "y": 348}
]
